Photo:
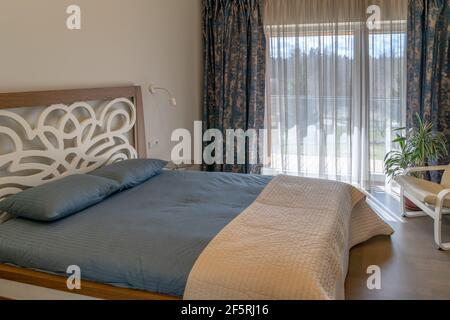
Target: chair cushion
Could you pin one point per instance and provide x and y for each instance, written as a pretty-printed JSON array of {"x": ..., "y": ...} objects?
[
  {"x": 423, "y": 190},
  {"x": 446, "y": 178}
]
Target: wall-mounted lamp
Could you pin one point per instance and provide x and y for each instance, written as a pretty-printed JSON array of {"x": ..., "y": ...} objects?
[{"x": 152, "y": 89}]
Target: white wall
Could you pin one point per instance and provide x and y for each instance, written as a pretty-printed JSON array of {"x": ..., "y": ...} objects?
[{"x": 121, "y": 42}]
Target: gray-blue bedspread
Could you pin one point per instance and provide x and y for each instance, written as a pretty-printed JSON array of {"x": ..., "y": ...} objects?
[{"x": 147, "y": 238}]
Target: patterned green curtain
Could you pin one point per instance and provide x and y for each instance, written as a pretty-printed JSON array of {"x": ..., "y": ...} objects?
[
  {"x": 429, "y": 64},
  {"x": 234, "y": 72}
]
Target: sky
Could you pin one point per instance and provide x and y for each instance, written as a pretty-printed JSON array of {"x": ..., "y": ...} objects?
[{"x": 379, "y": 44}]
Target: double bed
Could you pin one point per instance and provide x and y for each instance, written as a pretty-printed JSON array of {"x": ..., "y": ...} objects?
[
  {"x": 146, "y": 238},
  {"x": 196, "y": 235}
]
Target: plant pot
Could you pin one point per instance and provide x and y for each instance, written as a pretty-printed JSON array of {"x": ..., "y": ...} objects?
[{"x": 410, "y": 206}]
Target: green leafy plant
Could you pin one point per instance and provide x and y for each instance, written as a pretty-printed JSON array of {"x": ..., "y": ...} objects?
[{"x": 417, "y": 147}]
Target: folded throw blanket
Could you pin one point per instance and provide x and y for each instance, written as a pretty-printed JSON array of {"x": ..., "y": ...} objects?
[{"x": 293, "y": 242}]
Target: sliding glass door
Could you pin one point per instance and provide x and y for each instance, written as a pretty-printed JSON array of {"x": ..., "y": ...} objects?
[{"x": 335, "y": 92}]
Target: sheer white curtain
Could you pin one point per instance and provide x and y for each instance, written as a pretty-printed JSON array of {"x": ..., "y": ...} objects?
[{"x": 335, "y": 87}]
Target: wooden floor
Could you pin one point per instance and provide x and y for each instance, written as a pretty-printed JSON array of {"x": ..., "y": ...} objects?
[{"x": 411, "y": 267}]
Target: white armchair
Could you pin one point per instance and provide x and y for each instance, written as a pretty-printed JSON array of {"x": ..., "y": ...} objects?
[{"x": 432, "y": 198}]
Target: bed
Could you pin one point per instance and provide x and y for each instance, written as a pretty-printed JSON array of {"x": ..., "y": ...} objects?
[{"x": 179, "y": 234}]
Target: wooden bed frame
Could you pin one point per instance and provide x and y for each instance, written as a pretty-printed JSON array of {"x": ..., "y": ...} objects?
[{"x": 46, "y": 98}]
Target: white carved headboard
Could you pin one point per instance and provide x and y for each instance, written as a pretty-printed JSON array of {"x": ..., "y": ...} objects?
[{"x": 47, "y": 135}]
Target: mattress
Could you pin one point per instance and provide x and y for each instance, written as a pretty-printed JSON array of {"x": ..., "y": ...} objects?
[{"x": 146, "y": 238}]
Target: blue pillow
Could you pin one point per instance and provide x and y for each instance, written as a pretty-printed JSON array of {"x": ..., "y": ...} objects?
[
  {"x": 130, "y": 173},
  {"x": 58, "y": 199}
]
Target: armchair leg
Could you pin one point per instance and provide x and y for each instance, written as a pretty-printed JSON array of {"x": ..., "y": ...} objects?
[
  {"x": 402, "y": 201},
  {"x": 415, "y": 214},
  {"x": 438, "y": 230}
]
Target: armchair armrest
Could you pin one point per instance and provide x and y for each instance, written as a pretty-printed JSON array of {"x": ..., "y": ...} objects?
[
  {"x": 441, "y": 197},
  {"x": 424, "y": 169}
]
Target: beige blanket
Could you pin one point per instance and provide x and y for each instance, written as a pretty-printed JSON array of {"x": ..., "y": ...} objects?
[{"x": 291, "y": 243}]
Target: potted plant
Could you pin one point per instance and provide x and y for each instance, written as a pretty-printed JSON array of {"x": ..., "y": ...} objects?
[{"x": 417, "y": 147}]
